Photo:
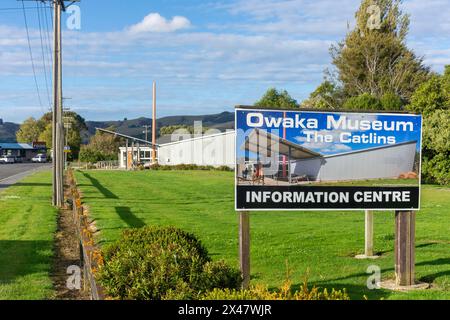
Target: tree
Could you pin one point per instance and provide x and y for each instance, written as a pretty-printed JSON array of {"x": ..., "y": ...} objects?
[
  {"x": 46, "y": 136},
  {"x": 391, "y": 102},
  {"x": 375, "y": 59},
  {"x": 430, "y": 96},
  {"x": 29, "y": 131},
  {"x": 171, "y": 129},
  {"x": 102, "y": 147},
  {"x": 34, "y": 130},
  {"x": 432, "y": 100},
  {"x": 328, "y": 95},
  {"x": 277, "y": 99},
  {"x": 364, "y": 101}
]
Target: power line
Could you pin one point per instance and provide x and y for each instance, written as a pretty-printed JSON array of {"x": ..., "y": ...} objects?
[
  {"x": 31, "y": 56},
  {"x": 48, "y": 36},
  {"x": 43, "y": 55},
  {"x": 12, "y": 9}
]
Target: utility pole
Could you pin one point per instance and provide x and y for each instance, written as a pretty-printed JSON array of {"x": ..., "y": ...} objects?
[
  {"x": 146, "y": 127},
  {"x": 58, "y": 192},
  {"x": 154, "y": 125},
  {"x": 57, "y": 120}
]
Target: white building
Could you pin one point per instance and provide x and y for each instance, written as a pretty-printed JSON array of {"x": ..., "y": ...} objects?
[
  {"x": 207, "y": 150},
  {"x": 217, "y": 150}
]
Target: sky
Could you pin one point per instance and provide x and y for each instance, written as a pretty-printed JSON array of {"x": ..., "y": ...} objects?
[
  {"x": 351, "y": 140},
  {"x": 206, "y": 56}
]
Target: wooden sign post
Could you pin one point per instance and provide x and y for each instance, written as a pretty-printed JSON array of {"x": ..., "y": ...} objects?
[
  {"x": 244, "y": 248},
  {"x": 368, "y": 250},
  {"x": 368, "y": 237},
  {"x": 405, "y": 225}
]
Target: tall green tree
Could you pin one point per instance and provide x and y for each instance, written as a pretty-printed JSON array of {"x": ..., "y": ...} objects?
[
  {"x": 102, "y": 147},
  {"x": 29, "y": 131},
  {"x": 373, "y": 58},
  {"x": 432, "y": 100},
  {"x": 277, "y": 99},
  {"x": 328, "y": 95},
  {"x": 41, "y": 130}
]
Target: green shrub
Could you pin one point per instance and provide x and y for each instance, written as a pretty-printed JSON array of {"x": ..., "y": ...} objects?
[
  {"x": 391, "y": 102},
  {"x": 285, "y": 292},
  {"x": 161, "y": 263},
  {"x": 437, "y": 169},
  {"x": 363, "y": 102},
  {"x": 189, "y": 167}
]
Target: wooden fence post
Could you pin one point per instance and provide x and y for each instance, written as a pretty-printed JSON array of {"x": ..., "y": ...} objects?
[{"x": 244, "y": 248}]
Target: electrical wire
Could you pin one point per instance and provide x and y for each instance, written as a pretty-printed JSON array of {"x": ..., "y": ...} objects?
[
  {"x": 48, "y": 37},
  {"x": 43, "y": 54},
  {"x": 31, "y": 56}
]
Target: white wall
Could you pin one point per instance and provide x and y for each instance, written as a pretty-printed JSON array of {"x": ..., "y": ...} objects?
[{"x": 214, "y": 150}]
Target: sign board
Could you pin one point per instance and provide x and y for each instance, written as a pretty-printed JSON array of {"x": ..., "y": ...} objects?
[
  {"x": 39, "y": 145},
  {"x": 67, "y": 149},
  {"x": 307, "y": 160}
]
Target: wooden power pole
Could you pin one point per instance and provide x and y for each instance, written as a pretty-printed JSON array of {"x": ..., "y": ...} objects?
[
  {"x": 58, "y": 132},
  {"x": 154, "y": 125},
  {"x": 58, "y": 141}
]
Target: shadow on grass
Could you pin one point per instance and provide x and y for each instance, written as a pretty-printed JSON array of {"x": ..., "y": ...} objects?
[
  {"x": 104, "y": 191},
  {"x": 378, "y": 294},
  {"x": 21, "y": 258},
  {"x": 127, "y": 216},
  {"x": 438, "y": 262},
  {"x": 356, "y": 292},
  {"x": 30, "y": 184}
]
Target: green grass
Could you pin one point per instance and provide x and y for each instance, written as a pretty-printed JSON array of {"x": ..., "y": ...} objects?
[
  {"x": 322, "y": 242},
  {"x": 27, "y": 227}
]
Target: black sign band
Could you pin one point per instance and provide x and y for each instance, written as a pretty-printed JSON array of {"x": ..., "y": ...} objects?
[{"x": 330, "y": 197}]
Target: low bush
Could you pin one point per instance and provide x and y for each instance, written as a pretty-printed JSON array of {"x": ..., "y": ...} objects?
[
  {"x": 154, "y": 263},
  {"x": 285, "y": 292},
  {"x": 189, "y": 167}
]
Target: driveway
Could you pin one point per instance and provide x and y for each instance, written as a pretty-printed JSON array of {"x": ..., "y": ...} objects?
[{"x": 12, "y": 173}]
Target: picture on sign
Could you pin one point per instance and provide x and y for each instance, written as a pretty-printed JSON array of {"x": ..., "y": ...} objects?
[{"x": 307, "y": 160}]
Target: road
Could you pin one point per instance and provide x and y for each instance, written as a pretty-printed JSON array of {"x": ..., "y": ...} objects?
[{"x": 12, "y": 173}]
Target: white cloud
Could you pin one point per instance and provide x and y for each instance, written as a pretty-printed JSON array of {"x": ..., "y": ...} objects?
[{"x": 154, "y": 22}]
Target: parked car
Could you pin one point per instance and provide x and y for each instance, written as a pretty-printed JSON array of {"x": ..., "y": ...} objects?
[
  {"x": 7, "y": 159},
  {"x": 40, "y": 158}
]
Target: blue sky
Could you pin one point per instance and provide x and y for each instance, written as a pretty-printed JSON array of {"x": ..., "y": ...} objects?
[
  {"x": 206, "y": 56},
  {"x": 298, "y": 135}
]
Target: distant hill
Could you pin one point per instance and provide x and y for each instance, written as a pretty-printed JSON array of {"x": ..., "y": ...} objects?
[
  {"x": 8, "y": 131},
  {"x": 133, "y": 127}
]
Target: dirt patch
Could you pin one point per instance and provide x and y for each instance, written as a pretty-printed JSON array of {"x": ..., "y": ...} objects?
[{"x": 67, "y": 254}]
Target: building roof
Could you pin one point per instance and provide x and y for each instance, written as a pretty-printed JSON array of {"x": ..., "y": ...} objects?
[
  {"x": 268, "y": 141},
  {"x": 16, "y": 146}
]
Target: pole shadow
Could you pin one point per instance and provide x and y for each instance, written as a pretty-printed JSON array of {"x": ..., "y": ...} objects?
[{"x": 129, "y": 218}]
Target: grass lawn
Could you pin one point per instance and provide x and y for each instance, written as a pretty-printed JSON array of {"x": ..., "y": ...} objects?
[
  {"x": 322, "y": 242},
  {"x": 27, "y": 227}
]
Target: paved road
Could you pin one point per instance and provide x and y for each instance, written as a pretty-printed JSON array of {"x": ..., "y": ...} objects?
[{"x": 12, "y": 173}]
